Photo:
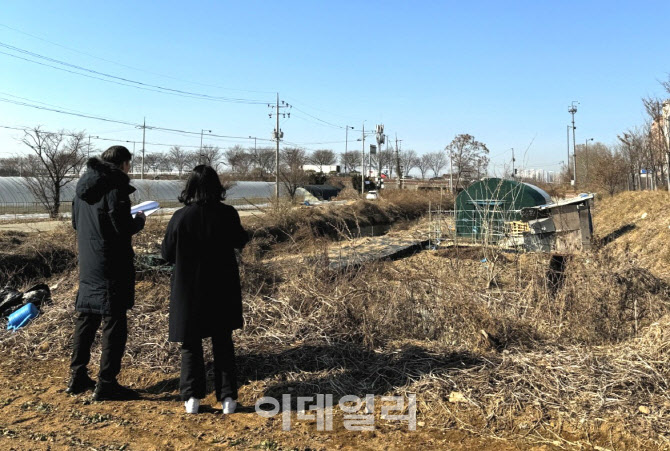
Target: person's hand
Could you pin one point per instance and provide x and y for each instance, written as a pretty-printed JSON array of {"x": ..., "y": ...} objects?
[{"x": 140, "y": 214}]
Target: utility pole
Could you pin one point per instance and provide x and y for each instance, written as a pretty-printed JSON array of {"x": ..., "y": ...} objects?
[
  {"x": 572, "y": 110},
  {"x": 397, "y": 163},
  {"x": 363, "y": 162},
  {"x": 346, "y": 143},
  {"x": 390, "y": 159},
  {"x": 277, "y": 135},
  {"x": 381, "y": 138},
  {"x": 144, "y": 130},
  {"x": 567, "y": 162}
]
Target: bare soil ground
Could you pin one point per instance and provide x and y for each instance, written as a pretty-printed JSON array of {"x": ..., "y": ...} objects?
[{"x": 36, "y": 414}]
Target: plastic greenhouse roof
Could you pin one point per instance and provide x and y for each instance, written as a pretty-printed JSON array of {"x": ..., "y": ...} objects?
[{"x": 13, "y": 190}]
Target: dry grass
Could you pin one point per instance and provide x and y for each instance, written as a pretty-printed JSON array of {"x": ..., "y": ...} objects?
[
  {"x": 583, "y": 364},
  {"x": 635, "y": 226}
]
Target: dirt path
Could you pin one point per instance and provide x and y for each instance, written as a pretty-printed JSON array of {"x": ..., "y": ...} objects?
[{"x": 35, "y": 413}]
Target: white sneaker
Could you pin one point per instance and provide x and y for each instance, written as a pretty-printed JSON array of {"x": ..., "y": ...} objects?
[
  {"x": 229, "y": 405},
  {"x": 192, "y": 405}
]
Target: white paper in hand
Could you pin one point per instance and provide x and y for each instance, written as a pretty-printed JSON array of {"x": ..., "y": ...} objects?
[{"x": 149, "y": 207}]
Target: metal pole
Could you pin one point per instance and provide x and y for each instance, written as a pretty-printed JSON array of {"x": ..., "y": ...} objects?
[
  {"x": 389, "y": 158},
  {"x": 144, "y": 130},
  {"x": 363, "y": 162},
  {"x": 574, "y": 157},
  {"x": 277, "y": 154},
  {"x": 397, "y": 163},
  {"x": 567, "y": 162},
  {"x": 513, "y": 173},
  {"x": 573, "y": 110},
  {"x": 346, "y": 144},
  {"x": 89, "y": 146}
]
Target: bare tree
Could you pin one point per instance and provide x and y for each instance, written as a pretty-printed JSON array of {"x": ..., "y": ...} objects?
[
  {"x": 633, "y": 149},
  {"x": 437, "y": 161},
  {"x": 322, "y": 157},
  {"x": 153, "y": 161},
  {"x": 657, "y": 145},
  {"x": 469, "y": 158},
  {"x": 55, "y": 156},
  {"x": 209, "y": 155},
  {"x": 238, "y": 160},
  {"x": 610, "y": 171},
  {"x": 165, "y": 164},
  {"x": 179, "y": 157},
  {"x": 408, "y": 161},
  {"x": 12, "y": 166},
  {"x": 292, "y": 175},
  {"x": 263, "y": 160},
  {"x": 423, "y": 164},
  {"x": 350, "y": 161}
]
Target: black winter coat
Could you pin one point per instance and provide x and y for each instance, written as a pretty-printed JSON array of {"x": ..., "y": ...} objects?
[
  {"x": 101, "y": 216},
  {"x": 206, "y": 297}
]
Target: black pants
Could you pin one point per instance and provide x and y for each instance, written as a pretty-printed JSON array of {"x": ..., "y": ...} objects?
[
  {"x": 192, "y": 382},
  {"x": 114, "y": 337}
]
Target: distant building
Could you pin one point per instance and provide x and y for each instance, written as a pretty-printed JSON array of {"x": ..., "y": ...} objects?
[
  {"x": 326, "y": 168},
  {"x": 537, "y": 175}
]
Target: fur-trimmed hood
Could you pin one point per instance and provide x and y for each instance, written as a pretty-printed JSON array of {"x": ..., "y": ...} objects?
[{"x": 100, "y": 178}]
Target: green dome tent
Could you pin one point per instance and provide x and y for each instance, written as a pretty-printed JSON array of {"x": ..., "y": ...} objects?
[{"x": 486, "y": 206}]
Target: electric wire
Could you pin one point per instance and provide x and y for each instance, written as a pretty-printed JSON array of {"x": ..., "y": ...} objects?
[
  {"x": 120, "y": 80},
  {"x": 127, "y": 66}
]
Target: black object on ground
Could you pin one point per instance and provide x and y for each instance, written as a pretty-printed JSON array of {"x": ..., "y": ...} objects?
[{"x": 12, "y": 299}]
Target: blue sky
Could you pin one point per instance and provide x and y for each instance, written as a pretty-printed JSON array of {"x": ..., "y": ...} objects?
[{"x": 504, "y": 72}]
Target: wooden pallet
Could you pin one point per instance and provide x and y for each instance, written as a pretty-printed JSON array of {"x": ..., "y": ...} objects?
[{"x": 516, "y": 228}]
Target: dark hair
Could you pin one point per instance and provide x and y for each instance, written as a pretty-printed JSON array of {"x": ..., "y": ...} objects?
[
  {"x": 203, "y": 186},
  {"x": 117, "y": 155}
]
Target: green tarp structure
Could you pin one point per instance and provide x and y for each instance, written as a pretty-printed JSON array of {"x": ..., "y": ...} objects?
[{"x": 485, "y": 206}]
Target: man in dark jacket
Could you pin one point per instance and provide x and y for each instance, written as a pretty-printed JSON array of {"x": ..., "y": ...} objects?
[{"x": 101, "y": 216}]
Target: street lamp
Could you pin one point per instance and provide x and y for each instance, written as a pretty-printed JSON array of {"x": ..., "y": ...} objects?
[
  {"x": 89, "y": 144},
  {"x": 202, "y": 131},
  {"x": 254, "y": 138},
  {"x": 572, "y": 110}
]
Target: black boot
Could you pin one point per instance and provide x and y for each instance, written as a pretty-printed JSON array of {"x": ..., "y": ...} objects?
[
  {"x": 79, "y": 383},
  {"x": 113, "y": 391}
]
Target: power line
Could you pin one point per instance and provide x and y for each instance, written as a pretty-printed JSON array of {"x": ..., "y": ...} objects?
[
  {"x": 120, "y": 80},
  {"x": 25, "y": 129},
  {"x": 341, "y": 127},
  {"x": 61, "y": 110},
  {"x": 127, "y": 66}
]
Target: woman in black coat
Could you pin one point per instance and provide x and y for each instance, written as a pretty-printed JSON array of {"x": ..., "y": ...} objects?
[{"x": 206, "y": 298}]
